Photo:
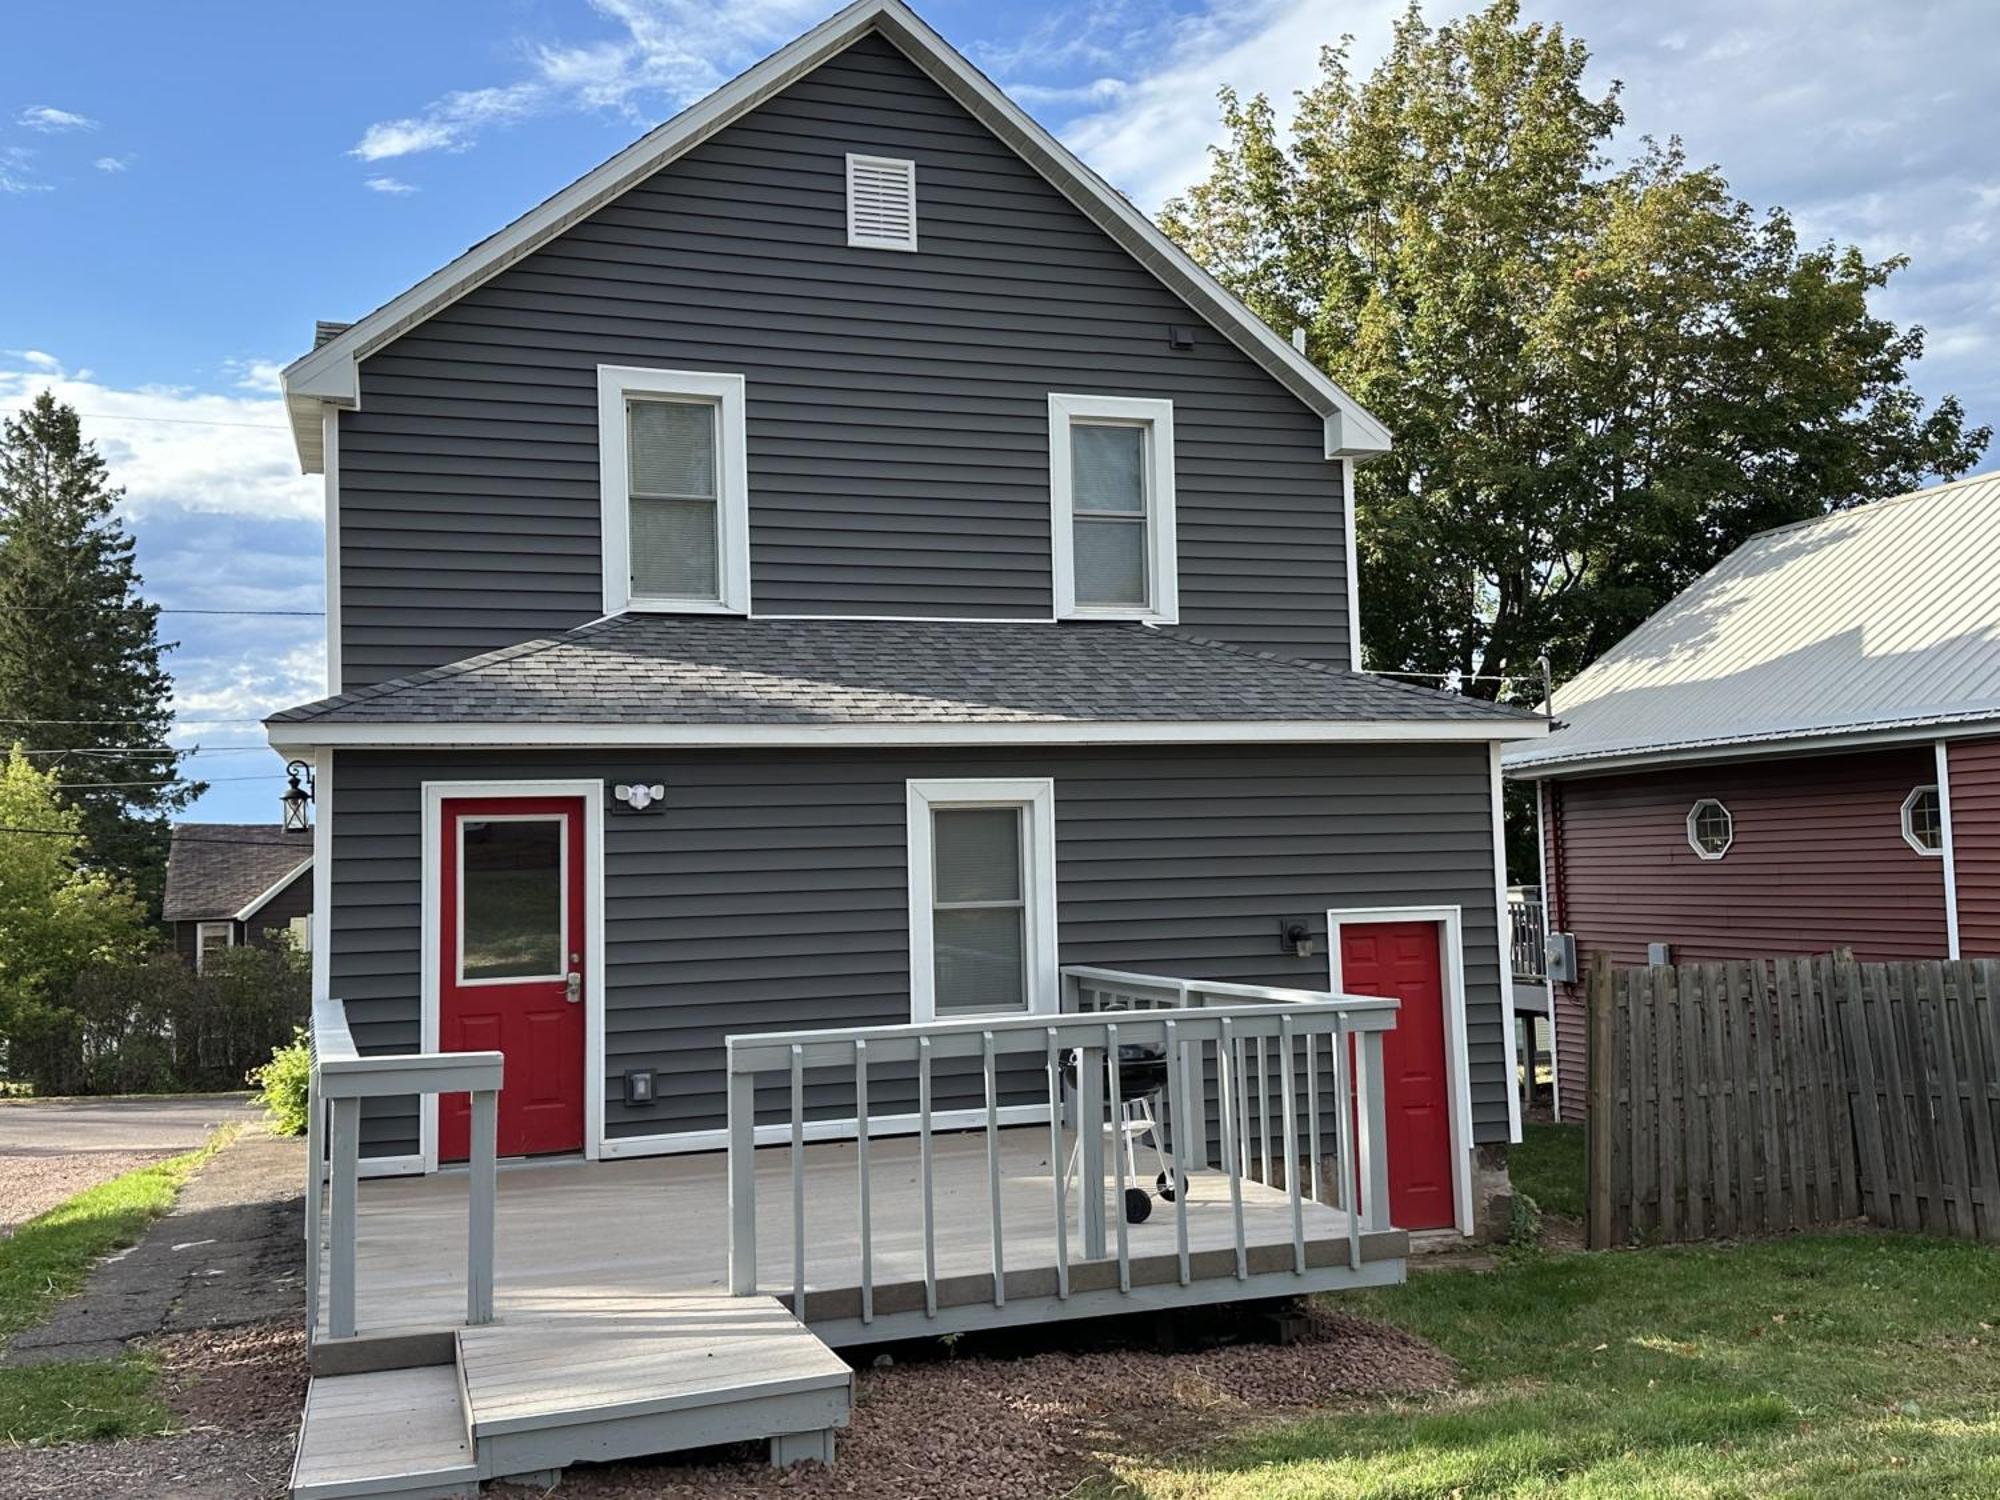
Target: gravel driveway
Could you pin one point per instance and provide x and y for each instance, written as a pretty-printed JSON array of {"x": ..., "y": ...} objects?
[{"x": 53, "y": 1148}]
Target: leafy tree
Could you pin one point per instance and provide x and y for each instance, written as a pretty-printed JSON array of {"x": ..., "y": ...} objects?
[
  {"x": 57, "y": 915},
  {"x": 81, "y": 685},
  {"x": 1600, "y": 380}
]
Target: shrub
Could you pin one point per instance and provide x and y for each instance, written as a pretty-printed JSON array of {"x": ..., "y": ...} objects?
[{"x": 283, "y": 1084}]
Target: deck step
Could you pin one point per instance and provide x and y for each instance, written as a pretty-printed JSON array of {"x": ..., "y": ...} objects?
[
  {"x": 397, "y": 1434},
  {"x": 659, "y": 1374}
]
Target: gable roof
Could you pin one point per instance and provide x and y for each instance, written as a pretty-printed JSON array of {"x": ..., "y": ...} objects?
[
  {"x": 679, "y": 680},
  {"x": 1882, "y": 621},
  {"x": 217, "y": 870},
  {"x": 329, "y": 375}
]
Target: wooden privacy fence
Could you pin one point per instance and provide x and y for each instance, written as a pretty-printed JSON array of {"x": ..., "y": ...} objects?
[{"x": 1758, "y": 1097}]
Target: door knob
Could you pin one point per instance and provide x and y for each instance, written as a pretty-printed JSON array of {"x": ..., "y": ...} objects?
[{"x": 573, "y": 987}]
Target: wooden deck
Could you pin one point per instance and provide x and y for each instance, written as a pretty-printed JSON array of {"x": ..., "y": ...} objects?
[{"x": 585, "y": 1240}]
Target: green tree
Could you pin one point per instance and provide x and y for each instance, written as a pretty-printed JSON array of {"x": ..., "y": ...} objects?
[
  {"x": 57, "y": 914},
  {"x": 81, "y": 684},
  {"x": 1600, "y": 381}
]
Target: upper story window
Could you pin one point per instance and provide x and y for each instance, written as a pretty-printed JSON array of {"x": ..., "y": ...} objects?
[
  {"x": 1111, "y": 491},
  {"x": 674, "y": 490},
  {"x": 982, "y": 898},
  {"x": 1711, "y": 830},
  {"x": 881, "y": 203},
  {"x": 1923, "y": 820}
]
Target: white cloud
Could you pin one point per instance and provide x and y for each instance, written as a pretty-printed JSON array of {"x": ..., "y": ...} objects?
[
  {"x": 17, "y": 171},
  {"x": 179, "y": 450},
  {"x": 662, "y": 52},
  {"x": 256, "y": 374},
  {"x": 47, "y": 118},
  {"x": 112, "y": 163},
  {"x": 394, "y": 186}
]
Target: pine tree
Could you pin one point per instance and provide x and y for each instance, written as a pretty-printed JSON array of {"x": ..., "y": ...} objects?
[{"x": 81, "y": 684}]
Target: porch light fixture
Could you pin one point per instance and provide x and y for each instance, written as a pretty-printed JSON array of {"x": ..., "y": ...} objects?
[
  {"x": 296, "y": 797},
  {"x": 638, "y": 796}
]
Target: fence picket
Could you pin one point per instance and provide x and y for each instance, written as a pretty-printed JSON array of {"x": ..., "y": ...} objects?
[
  {"x": 1666, "y": 1107},
  {"x": 1975, "y": 998},
  {"x": 1694, "y": 1097},
  {"x": 1723, "y": 1194}
]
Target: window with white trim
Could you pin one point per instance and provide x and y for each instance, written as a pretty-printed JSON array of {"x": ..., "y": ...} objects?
[
  {"x": 209, "y": 938},
  {"x": 1711, "y": 829},
  {"x": 1923, "y": 821},
  {"x": 881, "y": 203},
  {"x": 982, "y": 898},
  {"x": 674, "y": 490},
  {"x": 1111, "y": 494}
]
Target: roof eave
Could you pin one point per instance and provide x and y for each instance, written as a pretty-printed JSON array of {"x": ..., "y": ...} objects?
[
  {"x": 1529, "y": 766},
  {"x": 329, "y": 375}
]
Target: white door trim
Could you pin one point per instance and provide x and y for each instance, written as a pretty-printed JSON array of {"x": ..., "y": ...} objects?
[
  {"x": 592, "y": 793},
  {"x": 1458, "y": 1078}
]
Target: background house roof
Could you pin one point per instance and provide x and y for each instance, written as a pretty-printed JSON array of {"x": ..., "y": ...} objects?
[
  {"x": 214, "y": 870},
  {"x": 705, "y": 670},
  {"x": 1869, "y": 621}
]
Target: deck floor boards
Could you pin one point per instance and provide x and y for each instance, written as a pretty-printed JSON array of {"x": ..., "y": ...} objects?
[
  {"x": 388, "y": 1425},
  {"x": 583, "y": 1241}
]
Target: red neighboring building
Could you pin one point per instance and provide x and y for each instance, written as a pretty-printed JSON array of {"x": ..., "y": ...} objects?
[{"x": 1801, "y": 752}]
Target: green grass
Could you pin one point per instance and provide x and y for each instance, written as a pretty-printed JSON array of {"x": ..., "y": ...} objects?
[
  {"x": 1819, "y": 1366},
  {"x": 49, "y": 1258},
  {"x": 1548, "y": 1166}
]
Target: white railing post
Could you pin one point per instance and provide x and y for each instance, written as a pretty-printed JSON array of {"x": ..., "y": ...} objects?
[
  {"x": 742, "y": 1093},
  {"x": 481, "y": 1167},
  {"x": 315, "y": 1197},
  {"x": 1090, "y": 1136},
  {"x": 1373, "y": 1151},
  {"x": 346, "y": 1202}
]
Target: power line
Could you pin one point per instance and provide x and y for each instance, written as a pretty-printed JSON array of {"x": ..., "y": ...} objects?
[
  {"x": 106, "y": 416},
  {"x": 98, "y": 786},
  {"x": 129, "y": 723},
  {"x": 163, "y": 609},
  {"x": 154, "y": 750},
  {"x": 64, "y": 833}
]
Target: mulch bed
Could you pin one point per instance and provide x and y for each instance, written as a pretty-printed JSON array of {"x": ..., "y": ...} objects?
[
  {"x": 235, "y": 1394},
  {"x": 1006, "y": 1428},
  {"x": 1030, "y": 1422}
]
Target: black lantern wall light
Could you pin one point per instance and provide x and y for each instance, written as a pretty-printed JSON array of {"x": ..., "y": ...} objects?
[{"x": 296, "y": 797}]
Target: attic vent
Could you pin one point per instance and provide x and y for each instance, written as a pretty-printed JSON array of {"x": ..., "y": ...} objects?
[{"x": 881, "y": 203}]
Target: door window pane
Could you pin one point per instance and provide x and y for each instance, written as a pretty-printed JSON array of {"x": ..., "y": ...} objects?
[
  {"x": 977, "y": 852},
  {"x": 510, "y": 898},
  {"x": 980, "y": 959}
]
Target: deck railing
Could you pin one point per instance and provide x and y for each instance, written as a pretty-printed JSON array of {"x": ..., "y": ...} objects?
[
  {"x": 1208, "y": 1030},
  {"x": 341, "y": 1079},
  {"x": 1528, "y": 935}
]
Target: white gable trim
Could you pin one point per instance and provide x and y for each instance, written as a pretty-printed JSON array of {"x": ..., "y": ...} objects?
[
  {"x": 258, "y": 903},
  {"x": 330, "y": 375}
]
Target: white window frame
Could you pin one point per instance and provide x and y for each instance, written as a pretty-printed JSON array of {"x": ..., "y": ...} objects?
[
  {"x": 1036, "y": 796},
  {"x": 1909, "y": 828},
  {"x": 908, "y": 167},
  {"x": 565, "y": 942},
  {"x": 1694, "y": 843},
  {"x": 1155, "y": 417},
  {"x": 615, "y": 385},
  {"x": 201, "y": 931}
]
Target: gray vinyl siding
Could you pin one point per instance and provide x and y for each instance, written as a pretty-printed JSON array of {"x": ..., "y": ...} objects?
[
  {"x": 771, "y": 890},
  {"x": 897, "y": 403}
]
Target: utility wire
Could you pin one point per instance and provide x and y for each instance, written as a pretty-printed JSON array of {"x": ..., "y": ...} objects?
[
  {"x": 98, "y": 786},
  {"x": 106, "y": 416},
  {"x": 154, "y": 750},
  {"x": 64, "y": 833},
  {"x": 129, "y": 723},
  {"x": 50, "y": 609}
]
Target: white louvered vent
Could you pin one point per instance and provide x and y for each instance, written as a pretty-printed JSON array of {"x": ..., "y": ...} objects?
[{"x": 881, "y": 202}]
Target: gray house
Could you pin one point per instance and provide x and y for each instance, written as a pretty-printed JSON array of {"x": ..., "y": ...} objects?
[{"x": 827, "y": 609}]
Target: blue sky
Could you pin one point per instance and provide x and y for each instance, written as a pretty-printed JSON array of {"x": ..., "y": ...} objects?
[{"x": 178, "y": 206}]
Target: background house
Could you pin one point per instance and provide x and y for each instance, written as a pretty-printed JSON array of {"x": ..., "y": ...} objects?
[
  {"x": 1801, "y": 752},
  {"x": 235, "y": 883}
]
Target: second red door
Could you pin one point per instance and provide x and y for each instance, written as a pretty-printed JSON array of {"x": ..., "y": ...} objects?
[{"x": 1401, "y": 960}]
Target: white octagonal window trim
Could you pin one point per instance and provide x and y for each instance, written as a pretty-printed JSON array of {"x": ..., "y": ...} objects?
[
  {"x": 1711, "y": 829},
  {"x": 1923, "y": 821}
]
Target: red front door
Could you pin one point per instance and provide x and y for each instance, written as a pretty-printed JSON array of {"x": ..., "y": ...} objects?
[
  {"x": 1400, "y": 960},
  {"x": 512, "y": 964}
]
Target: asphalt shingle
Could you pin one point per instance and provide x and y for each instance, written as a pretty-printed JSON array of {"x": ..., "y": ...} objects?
[
  {"x": 684, "y": 669},
  {"x": 216, "y": 869}
]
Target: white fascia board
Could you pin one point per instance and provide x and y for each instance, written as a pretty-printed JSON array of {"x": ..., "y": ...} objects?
[
  {"x": 292, "y": 737},
  {"x": 258, "y": 903},
  {"x": 1525, "y": 765},
  {"x": 330, "y": 372}
]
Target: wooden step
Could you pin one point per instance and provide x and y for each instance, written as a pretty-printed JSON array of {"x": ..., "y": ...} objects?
[
  {"x": 655, "y": 1374},
  {"x": 399, "y": 1434}
]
